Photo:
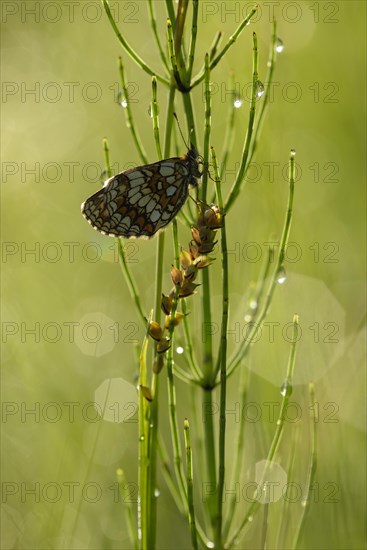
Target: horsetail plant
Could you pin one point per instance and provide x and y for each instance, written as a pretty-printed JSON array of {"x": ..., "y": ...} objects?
[{"x": 210, "y": 523}]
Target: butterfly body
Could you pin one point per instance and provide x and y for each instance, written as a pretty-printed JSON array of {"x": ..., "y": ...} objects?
[{"x": 143, "y": 200}]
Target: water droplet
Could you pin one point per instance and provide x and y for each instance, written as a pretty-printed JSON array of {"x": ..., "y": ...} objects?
[
  {"x": 293, "y": 153},
  {"x": 304, "y": 502},
  {"x": 279, "y": 46},
  {"x": 210, "y": 544},
  {"x": 157, "y": 493},
  {"x": 281, "y": 276},
  {"x": 237, "y": 103},
  {"x": 179, "y": 350},
  {"x": 286, "y": 388},
  {"x": 123, "y": 103},
  {"x": 259, "y": 88},
  {"x": 141, "y": 438},
  {"x": 279, "y": 422},
  {"x": 253, "y": 304},
  {"x": 250, "y": 518},
  {"x": 248, "y": 318}
]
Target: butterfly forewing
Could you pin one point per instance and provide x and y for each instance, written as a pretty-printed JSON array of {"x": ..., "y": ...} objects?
[{"x": 141, "y": 201}]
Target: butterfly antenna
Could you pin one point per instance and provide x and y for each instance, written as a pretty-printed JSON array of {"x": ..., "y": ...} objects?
[{"x": 179, "y": 127}]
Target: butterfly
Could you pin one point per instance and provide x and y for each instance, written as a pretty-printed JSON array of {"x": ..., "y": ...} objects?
[{"x": 143, "y": 200}]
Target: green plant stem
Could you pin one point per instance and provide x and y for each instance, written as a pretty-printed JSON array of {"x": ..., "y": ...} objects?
[
  {"x": 236, "y": 187},
  {"x": 155, "y": 111},
  {"x": 286, "y": 393},
  {"x": 286, "y": 506},
  {"x": 177, "y": 455},
  {"x": 128, "y": 507},
  {"x": 191, "y": 126},
  {"x": 266, "y": 96},
  {"x": 213, "y": 48},
  {"x": 173, "y": 58},
  {"x": 207, "y": 130},
  {"x": 228, "y": 138},
  {"x": 172, "y": 486},
  {"x": 194, "y": 30},
  {"x": 171, "y": 11},
  {"x": 154, "y": 408},
  {"x": 207, "y": 316},
  {"x": 208, "y": 411},
  {"x": 239, "y": 454},
  {"x": 169, "y": 476},
  {"x": 143, "y": 502},
  {"x": 153, "y": 24},
  {"x": 223, "y": 357},
  {"x": 134, "y": 56},
  {"x": 179, "y": 38},
  {"x": 129, "y": 117},
  {"x": 107, "y": 158},
  {"x": 190, "y": 489},
  {"x": 239, "y": 355},
  {"x": 312, "y": 465},
  {"x": 238, "y": 457},
  {"x": 130, "y": 281},
  {"x": 265, "y": 524},
  {"x": 229, "y": 135},
  {"x": 154, "y": 418},
  {"x": 231, "y": 41}
]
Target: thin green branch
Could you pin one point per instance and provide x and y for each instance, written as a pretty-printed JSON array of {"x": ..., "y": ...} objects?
[
  {"x": 190, "y": 489},
  {"x": 286, "y": 393},
  {"x": 194, "y": 30},
  {"x": 143, "y": 501},
  {"x": 266, "y": 97},
  {"x": 179, "y": 38},
  {"x": 177, "y": 455},
  {"x": 239, "y": 355},
  {"x": 130, "y": 281},
  {"x": 312, "y": 466},
  {"x": 126, "y": 499},
  {"x": 154, "y": 419},
  {"x": 129, "y": 117},
  {"x": 168, "y": 475},
  {"x": 229, "y": 135},
  {"x": 223, "y": 357},
  {"x": 207, "y": 130},
  {"x": 173, "y": 58},
  {"x": 153, "y": 24},
  {"x": 287, "y": 506},
  {"x": 238, "y": 457},
  {"x": 107, "y": 158},
  {"x": 232, "y": 39},
  {"x": 213, "y": 48},
  {"x": 207, "y": 315},
  {"x": 155, "y": 117},
  {"x": 171, "y": 11},
  {"x": 236, "y": 187},
  {"x": 134, "y": 56}
]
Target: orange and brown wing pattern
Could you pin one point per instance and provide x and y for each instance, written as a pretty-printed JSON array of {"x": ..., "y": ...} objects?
[{"x": 141, "y": 201}]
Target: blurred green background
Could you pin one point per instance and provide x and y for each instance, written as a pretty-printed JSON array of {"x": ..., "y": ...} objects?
[{"x": 68, "y": 323}]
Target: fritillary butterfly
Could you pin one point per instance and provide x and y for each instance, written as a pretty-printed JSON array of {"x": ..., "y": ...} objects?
[{"x": 141, "y": 201}]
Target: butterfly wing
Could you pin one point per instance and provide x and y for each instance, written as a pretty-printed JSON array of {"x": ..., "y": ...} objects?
[{"x": 140, "y": 201}]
